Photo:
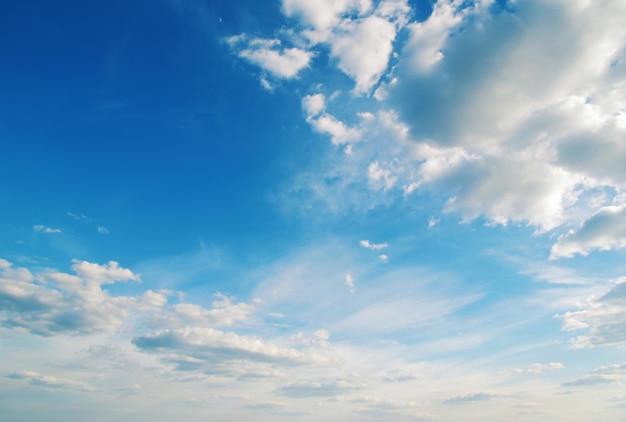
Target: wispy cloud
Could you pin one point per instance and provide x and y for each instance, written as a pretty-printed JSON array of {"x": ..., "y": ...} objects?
[{"x": 40, "y": 228}]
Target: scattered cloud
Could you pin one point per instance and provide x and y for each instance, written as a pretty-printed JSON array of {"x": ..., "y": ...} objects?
[
  {"x": 373, "y": 246},
  {"x": 605, "y": 375},
  {"x": 603, "y": 318},
  {"x": 47, "y": 381},
  {"x": 474, "y": 397},
  {"x": 350, "y": 282},
  {"x": 605, "y": 230},
  {"x": 103, "y": 230},
  {"x": 271, "y": 56},
  {"x": 537, "y": 368},
  {"x": 324, "y": 388},
  {"x": 40, "y": 228}
]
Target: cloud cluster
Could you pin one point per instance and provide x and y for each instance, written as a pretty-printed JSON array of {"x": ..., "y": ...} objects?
[
  {"x": 605, "y": 375},
  {"x": 603, "y": 318},
  {"x": 51, "y": 302},
  {"x": 512, "y": 111},
  {"x": 48, "y": 381}
]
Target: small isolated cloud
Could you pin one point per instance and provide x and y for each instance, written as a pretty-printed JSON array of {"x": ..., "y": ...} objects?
[
  {"x": 373, "y": 246},
  {"x": 349, "y": 280},
  {"x": 103, "y": 230},
  {"x": 383, "y": 258},
  {"x": 46, "y": 381},
  {"x": 602, "y": 318},
  {"x": 605, "y": 230},
  {"x": 40, "y": 228},
  {"x": 432, "y": 222}
]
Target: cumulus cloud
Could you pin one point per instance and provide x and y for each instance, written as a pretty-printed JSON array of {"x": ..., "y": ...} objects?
[
  {"x": 605, "y": 230},
  {"x": 603, "y": 318},
  {"x": 53, "y": 303},
  {"x": 271, "y": 56},
  {"x": 201, "y": 348}
]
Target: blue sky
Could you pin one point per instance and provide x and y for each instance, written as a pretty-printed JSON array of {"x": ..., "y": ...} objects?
[{"x": 313, "y": 210}]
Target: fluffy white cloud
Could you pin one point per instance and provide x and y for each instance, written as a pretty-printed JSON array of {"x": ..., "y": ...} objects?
[
  {"x": 202, "y": 348},
  {"x": 104, "y": 274},
  {"x": 362, "y": 50},
  {"x": 517, "y": 98},
  {"x": 349, "y": 280},
  {"x": 605, "y": 230},
  {"x": 322, "y": 14},
  {"x": 271, "y": 56}
]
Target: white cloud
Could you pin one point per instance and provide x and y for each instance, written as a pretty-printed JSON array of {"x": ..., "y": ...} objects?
[
  {"x": 605, "y": 230},
  {"x": 47, "y": 381},
  {"x": 339, "y": 132},
  {"x": 103, "y": 230},
  {"x": 314, "y": 104},
  {"x": 203, "y": 347},
  {"x": 349, "y": 280},
  {"x": 610, "y": 375},
  {"x": 537, "y": 368},
  {"x": 271, "y": 56},
  {"x": 380, "y": 177},
  {"x": 104, "y": 274},
  {"x": 373, "y": 246},
  {"x": 474, "y": 397},
  {"x": 363, "y": 48},
  {"x": 383, "y": 258},
  {"x": 602, "y": 318},
  {"x": 40, "y": 228},
  {"x": 322, "y": 14}
]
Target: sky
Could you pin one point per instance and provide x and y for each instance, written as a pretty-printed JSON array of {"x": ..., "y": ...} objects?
[{"x": 313, "y": 210}]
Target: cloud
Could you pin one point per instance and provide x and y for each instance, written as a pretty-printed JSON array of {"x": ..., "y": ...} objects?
[
  {"x": 271, "y": 56},
  {"x": 350, "y": 282},
  {"x": 322, "y": 14},
  {"x": 537, "y": 368},
  {"x": 47, "y": 381},
  {"x": 474, "y": 397},
  {"x": 324, "y": 388},
  {"x": 605, "y": 375},
  {"x": 373, "y": 246},
  {"x": 52, "y": 302},
  {"x": 40, "y": 228},
  {"x": 325, "y": 123},
  {"x": 605, "y": 230},
  {"x": 206, "y": 349},
  {"x": 603, "y": 318},
  {"x": 103, "y": 230},
  {"x": 104, "y": 274}
]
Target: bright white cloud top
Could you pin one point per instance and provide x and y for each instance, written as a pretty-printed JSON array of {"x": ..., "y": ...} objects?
[{"x": 314, "y": 210}]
